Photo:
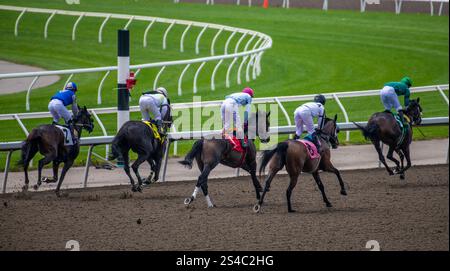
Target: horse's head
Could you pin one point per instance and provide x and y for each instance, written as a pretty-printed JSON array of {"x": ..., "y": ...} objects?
[
  {"x": 414, "y": 110},
  {"x": 331, "y": 131},
  {"x": 84, "y": 119},
  {"x": 263, "y": 122}
]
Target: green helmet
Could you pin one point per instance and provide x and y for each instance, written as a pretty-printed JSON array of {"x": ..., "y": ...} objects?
[{"x": 407, "y": 81}]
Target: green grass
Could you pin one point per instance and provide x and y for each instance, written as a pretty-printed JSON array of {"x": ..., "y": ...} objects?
[{"x": 313, "y": 51}]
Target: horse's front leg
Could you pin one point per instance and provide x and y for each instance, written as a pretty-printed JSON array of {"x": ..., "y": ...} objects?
[
  {"x": 252, "y": 170},
  {"x": 66, "y": 167},
  {"x": 328, "y": 166},
  {"x": 268, "y": 181},
  {"x": 141, "y": 159},
  {"x": 391, "y": 157},
  {"x": 407, "y": 154}
]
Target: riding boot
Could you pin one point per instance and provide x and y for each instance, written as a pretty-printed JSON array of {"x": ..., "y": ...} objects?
[
  {"x": 71, "y": 127},
  {"x": 316, "y": 141},
  {"x": 243, "y": 144},
  {"x": 159, "y": 125},
  {"x": 296, "y": 137},
  {"x": 402, "y": 118}
]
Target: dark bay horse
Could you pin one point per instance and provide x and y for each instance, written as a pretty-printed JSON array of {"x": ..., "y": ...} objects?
[
  {"x": 137, "y": 136},
  {"x": 49, "y": 141},
  {"x": 294, "y": 155},
  {"x": 210, "y": 152},
  {"x": 382, "y": 127}
]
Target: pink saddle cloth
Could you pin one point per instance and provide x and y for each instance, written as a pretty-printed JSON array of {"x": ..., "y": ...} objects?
[{"x": 312, "y": 150}]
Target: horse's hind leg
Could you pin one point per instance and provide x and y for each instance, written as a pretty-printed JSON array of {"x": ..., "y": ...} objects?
[
  {"x": 391, "y": 157},
  {"x": 202, "y": 183},
  {"x": 322, "y": 188},
  {"x": 376, "y": 143},
  {"x": 292, "y": 184},
  {"x": 26, "y": 164},
  {"x": 126, "y": 167},
  {"x": 47, "y": 159}
]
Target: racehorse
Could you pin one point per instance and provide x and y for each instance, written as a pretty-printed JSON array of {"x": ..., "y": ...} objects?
[
  {"x": 49, "y": 141},
  {"x": 141, "y": 139},
  {"x": 210, "y": 152},
  {"x": 294, "y": 155},
  {"x": 383, "y": 127}
]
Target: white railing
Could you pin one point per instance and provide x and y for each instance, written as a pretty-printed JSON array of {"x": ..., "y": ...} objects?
[
  {"x": 278, "y": 100},
  {"x": 363, "y": 3},
  {"x": 175, "y": 136},
  {"x": 263, "y": 43}
]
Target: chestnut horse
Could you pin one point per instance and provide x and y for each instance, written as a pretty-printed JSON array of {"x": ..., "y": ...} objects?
[{"x": 294, "y": 155}]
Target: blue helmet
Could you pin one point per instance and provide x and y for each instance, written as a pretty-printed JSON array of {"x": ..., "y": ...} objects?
[{"x": 71, "y": 86}]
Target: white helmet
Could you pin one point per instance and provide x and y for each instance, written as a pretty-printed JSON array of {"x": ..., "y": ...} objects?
[{"x": 162, "y": 90}]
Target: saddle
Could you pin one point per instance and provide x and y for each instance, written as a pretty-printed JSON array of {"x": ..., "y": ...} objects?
[
  {"x": 237, "y": 147},
  {"x": 68, "y": 140},
  {"x": 154, "y": 129},
  {"x": 312, "y": 149}
]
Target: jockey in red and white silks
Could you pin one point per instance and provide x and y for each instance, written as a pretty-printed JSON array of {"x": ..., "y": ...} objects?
[{"x": 230, "y": 111}]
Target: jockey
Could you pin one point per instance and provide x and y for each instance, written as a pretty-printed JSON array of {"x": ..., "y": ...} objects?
[
  {"x": 304, "y": 115},
  {"x": 390, "y": 92},
  {"x": 230, "y": 112},
  {"x": 58, "y": 103},
  {"x": 154, "y": 102}
]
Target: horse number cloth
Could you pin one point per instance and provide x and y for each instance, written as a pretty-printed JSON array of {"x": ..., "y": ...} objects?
[
  {"x": 312, "y": 150},
  {"x": 68, "y": 140}
]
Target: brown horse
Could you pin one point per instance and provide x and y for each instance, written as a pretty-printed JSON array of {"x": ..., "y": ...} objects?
[
  {"x": 49, "y": 141},
  {"x": 294, "y": 155},
  {"x": 382, "y": 127},
  {"x": 209, "y": 153}
]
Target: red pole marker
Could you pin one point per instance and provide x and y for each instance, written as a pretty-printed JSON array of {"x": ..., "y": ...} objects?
[{"x": 266, "y": 4}]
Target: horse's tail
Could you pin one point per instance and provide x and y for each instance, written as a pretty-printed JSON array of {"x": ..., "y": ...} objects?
[
  {"x": 31, "y": 140},
  {"x": 196, "y": 149},
  {"x": 280, "y": 150},
  {"x": 370, "y": 131},
  {"x": 115, "y": 148}
]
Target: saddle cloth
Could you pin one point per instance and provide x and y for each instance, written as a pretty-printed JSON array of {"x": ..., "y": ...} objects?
[
  {"x": 68, "y": 140},
  {"x": 402, "y": 127},
  {"x": 154, "y": 129},
  {"x": 312, "y": 150},
  {"x": 236, "y": 143}
]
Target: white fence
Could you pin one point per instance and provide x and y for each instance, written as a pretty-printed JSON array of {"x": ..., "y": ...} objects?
[
  {"x": 363, "y": 3},
  {"x": 250, "y": 57},
  {"x": 10, "y": 147}
]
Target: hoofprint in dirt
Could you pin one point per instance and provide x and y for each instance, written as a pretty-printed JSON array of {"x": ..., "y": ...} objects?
[{"x": 400, "y": 215}]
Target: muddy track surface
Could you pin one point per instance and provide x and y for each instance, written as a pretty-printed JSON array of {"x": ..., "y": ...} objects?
[{"x": 400, "y": 215}]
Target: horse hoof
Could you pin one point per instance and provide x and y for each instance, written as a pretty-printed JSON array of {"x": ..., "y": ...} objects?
[
  {"x": 188, "y": 201},
  {"x": 25, "y": 188},
  {"x": 35, "y": 187},
  {"x": 292, "y": 211},
  {"x": 402, "y": 176},
  {"x": 329, "y": 205},
  {"x": 391, "y": 173},
  {"x": 344, "y": 193},
  {"x": 211, "y": 206},
  {"x": 133, "y": 189},
  {"x": 58, "y": 194},
  {"x": 257, "y": 208},
  {"x": 139, "y": 188}
]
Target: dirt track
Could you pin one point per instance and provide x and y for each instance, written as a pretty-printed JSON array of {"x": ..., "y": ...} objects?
[{"x": 411, "y": 215}]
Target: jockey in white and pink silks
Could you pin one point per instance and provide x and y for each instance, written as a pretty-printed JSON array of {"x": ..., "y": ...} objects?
[{"x": 230, "y": 112}]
